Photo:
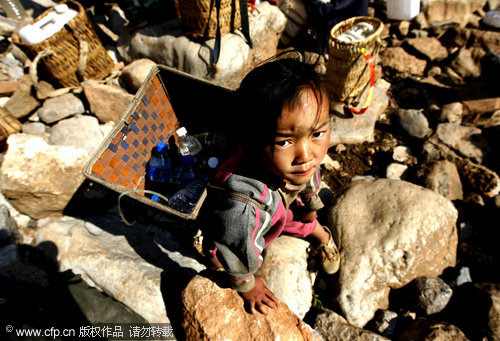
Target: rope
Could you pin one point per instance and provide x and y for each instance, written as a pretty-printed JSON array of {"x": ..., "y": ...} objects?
[
  {"x": 146, "y": 191},
  {"x": 371, "y": 64}
]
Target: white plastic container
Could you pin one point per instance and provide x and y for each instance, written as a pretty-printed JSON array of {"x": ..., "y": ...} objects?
[
  {"x": 48, "y": 25},
  {"x": 403, "y": 9}
]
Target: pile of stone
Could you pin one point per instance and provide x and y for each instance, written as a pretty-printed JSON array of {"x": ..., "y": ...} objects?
[{"x": 412, "y": 268}]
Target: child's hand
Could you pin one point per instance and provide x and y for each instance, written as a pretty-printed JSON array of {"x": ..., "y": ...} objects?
[{"x": 260, "y": 296}]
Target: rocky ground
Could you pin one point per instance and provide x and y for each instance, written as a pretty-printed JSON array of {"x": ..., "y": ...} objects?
[{"x": 415, "y": 209}]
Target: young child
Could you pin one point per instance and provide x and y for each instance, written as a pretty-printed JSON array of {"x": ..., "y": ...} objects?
[{"x": 284, "y": 134}]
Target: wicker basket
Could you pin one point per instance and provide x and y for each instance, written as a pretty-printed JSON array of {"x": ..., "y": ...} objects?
[
  {"x": 62, "y": 64},
  {"x": 199, "y": 17},
  {"x": 8, "y": 125},
  {"x": 120, "y": 161},
  {"x": 347, "y": 69}
]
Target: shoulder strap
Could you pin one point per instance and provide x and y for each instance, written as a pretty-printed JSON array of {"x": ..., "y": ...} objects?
[
  {"x": 245, "y": 28},
  {"x": 239, "y": 196}
]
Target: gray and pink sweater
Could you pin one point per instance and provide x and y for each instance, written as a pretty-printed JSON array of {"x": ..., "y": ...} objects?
[{"x": 252, "y": 210}]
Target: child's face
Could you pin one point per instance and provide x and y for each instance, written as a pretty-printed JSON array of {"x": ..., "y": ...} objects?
[{"x": 302, "y": 139}]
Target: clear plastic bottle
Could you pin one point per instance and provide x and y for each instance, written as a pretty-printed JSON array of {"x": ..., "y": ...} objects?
[
  {"x": 159, "y": 169},
  {"x": 187, "y": 143},
  {"x": 186, "y": 199}
]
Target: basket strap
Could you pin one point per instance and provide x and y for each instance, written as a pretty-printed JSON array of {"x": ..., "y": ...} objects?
[
  {"x": 245, "y": 27},
  {"x": 371, "y": 64},
  {"x": 218, "y": 36}
]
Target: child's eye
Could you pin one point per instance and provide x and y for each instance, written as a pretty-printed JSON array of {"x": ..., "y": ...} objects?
[
  {"x": 282, "y": 143},
  {"x": 318, "y": 134}
]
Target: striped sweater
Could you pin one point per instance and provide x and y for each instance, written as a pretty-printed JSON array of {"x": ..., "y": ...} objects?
[{"x": 252, "y": 211}]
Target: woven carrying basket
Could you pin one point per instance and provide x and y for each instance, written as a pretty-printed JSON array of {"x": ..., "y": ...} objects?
[
  {"x": 199, "y": 17},
  {"x": 8, "y": 125},
  {"x": 62, "y": 63},
  {"x": 120, "y": 162},
  {"x": 347, "y": 71}
]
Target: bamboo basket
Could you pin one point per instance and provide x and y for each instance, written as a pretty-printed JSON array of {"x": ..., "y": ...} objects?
[
  {"x": 62, "y": 63},
  {"x": 164, "y": 100},
  {"x": 347, "y": 71},
  {"x": 8, "y": 125},
  {"x": 199, "y": 17}
]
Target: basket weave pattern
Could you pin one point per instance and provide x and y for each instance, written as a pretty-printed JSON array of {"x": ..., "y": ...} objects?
[
  {"x": 347, "y": 69},
  {"x": 8, "y": 125},
  {"x": 199, "y": 17},
  {"x": 123, "y": 162},
  {"x": 62, "y": 65}
]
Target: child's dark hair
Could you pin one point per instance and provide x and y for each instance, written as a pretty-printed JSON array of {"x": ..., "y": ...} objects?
[{"x": 266, "y": 90}]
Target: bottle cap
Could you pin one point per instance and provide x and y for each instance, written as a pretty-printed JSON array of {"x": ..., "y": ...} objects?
[
  {"x": 156, "y": 198},
  {"x": 181, "y": 132},
  {"x": 161, "y": 147},
  {"x": 213, "y": 162}
]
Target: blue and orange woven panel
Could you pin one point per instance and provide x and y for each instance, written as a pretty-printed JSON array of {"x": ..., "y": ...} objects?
[
  {"x": 123, "y": 162},
  {"x": 120, "y": 162}
]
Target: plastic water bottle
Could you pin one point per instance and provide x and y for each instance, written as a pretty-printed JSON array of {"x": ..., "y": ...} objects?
[
  {"x": 187, "y": 143},
  {"x": 159, "y": 169},
  {"x": 186, "y": 199},
  {"x": 188, "y": 174}
]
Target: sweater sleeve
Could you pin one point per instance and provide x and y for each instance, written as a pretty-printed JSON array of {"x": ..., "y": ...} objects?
[
  {"x": 239, "y": 236},
  {"x": 310, "y": 195}
]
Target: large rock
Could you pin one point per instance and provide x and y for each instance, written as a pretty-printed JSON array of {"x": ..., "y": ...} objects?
[
  {"x": 493, "y": 291},
  {"x": 132, "y": 268},
  {"x": 285, "y": 271},
  {"x": 459, "y": 10},
  {"x": 464, "y": 139},
  {"x": 428, "y": 295},
  {"x": 7, "y": 88},
  {"x": 166, "y": 44},
  {"x": 452, "y": 112},
  {"x": 389, "y": 232},
  {"x": 39, "y": 179},
  {"x": 58, "y": 108},
  {"x": 136, "y": 72},
  {"x": 467, "y": 63},
  {"x": 482, "y": 106},
  {"x": 403, "y": 64},
  {"x": 430, "y": 47},
  {"x": 442, "y": 177},
  {"x": 414, "y": 122},
  {"x": 422, "y": 329},
  {"x": 22, "y": 102},
  {"x": 358, "y": 128},
  {"x": 481, "y": 179},
  {"x": 107, "y": 102},
  {"x": 333, "y": 327},
  {"x": 212, "y": 312},
  {"x": 81, "y": 131}
]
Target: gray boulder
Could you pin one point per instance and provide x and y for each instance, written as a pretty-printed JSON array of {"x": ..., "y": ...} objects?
[{"x": 389, "y": 232}]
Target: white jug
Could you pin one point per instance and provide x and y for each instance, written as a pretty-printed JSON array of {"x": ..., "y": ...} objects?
[
  {"x": 403, "y": 9},
  {"x": 48, "y": 25}
]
